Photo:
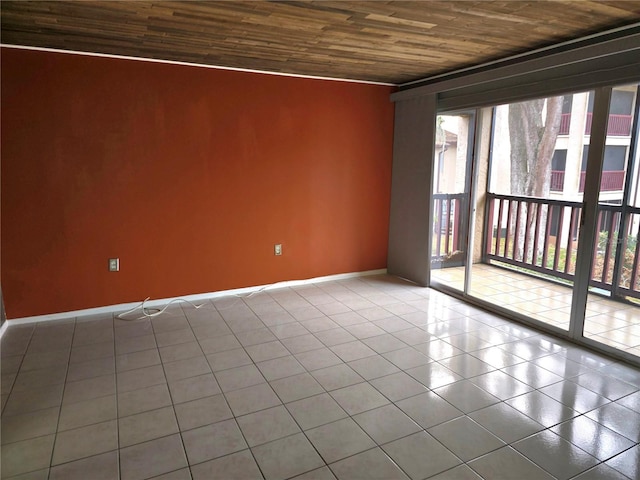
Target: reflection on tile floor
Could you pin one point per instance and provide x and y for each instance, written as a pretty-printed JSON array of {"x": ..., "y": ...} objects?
[
  {"x": 613, "y": 323},
  {"x": 362, "y": 378}
]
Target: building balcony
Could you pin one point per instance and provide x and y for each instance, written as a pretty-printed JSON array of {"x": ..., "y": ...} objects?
[
  {"x": 618, "y": 125},
  {"x": 611, "y": 181}
]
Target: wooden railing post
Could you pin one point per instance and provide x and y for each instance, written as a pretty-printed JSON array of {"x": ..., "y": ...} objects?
[
  {"x": 456, "y": 224},
  {"x": 437, "y": 227},
  {"x": 509, "y": 205},
  {"x": 489, "y": 227}
]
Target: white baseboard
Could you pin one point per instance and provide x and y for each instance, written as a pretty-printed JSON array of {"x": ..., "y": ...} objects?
[{"x": 191, "y": 298}]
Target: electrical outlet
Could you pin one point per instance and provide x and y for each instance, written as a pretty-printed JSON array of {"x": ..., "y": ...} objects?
[
  {"x": 114, "y": 264},
  {"x": 277, "y": 249}
]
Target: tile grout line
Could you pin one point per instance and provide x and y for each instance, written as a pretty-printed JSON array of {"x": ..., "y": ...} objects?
[
  {"x": 378, "y": 354},
  {"x": 223, "y": 396},
  {"x": 115, "y": 380},
  {"x": 64, "y": 386},
  {"x": 173, "y": 407}
]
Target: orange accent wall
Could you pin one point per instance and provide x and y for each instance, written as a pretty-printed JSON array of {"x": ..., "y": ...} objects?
[{"x": 188, "y": 175}]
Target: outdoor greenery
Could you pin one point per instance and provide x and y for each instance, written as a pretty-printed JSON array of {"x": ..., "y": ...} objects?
[
  {"x": 598, "y": 267},
  {"x": 627, "y": 260}
]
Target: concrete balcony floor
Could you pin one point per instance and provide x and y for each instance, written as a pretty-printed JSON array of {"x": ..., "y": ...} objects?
[{"x": 607, "y": 321}]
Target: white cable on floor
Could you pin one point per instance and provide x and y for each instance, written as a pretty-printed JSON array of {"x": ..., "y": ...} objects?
[
  {"x": 146, "y": 312},
  {"x": 255, "y": 292}
]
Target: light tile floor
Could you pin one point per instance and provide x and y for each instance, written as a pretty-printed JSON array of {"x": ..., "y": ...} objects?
[
  {"x": 363, "y": 378},
  {"x": 607, "y": 321}
]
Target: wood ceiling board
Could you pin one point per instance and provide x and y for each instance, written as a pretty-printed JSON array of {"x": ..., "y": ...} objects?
[{"x": 392, "y": 42}]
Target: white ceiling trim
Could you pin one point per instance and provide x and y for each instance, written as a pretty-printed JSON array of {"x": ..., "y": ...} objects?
[{"x": 200, "y": 65}]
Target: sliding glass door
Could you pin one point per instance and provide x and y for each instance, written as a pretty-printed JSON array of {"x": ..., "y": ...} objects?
[
  {"x": 451, "y": 187},
  {"x": 532, "y": 211},
  {"x": 516, "y": 212},
  {"x": 612, "y": 315}
]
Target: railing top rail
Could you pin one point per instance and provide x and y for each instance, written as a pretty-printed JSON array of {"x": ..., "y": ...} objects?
[
  {"x": 549, "y": 201},
  {"x": 447, "y": 196},
  {"x": 634, "y": 210},
  {"x": 609, "y": 206},
  {"x": 562, "y": 203}
]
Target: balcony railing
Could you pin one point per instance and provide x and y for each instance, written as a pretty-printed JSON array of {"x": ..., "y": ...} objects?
[
  {"x": 541, "y": 235},
  {"x": 448, "y": 232},
  {"x": 611, "y": 181},
  {"x": 557, "y": 181},
  {"x": 618, "y": 125}
]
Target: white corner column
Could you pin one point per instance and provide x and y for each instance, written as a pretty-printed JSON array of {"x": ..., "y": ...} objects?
[{"x": 411, "y": 189}]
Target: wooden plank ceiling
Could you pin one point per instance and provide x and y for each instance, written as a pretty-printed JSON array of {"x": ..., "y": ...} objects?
[{"x": 392, "y": 42}]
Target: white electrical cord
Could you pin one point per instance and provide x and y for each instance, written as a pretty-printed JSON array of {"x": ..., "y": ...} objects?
[
  {"x": 146, "y": 313},
  {"x": 255, "y": 292}
]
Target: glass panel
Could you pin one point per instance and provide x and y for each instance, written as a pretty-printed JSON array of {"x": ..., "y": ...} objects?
[
  {"x": 454, "y": 148},
  {"x": 613, "y": 305},
  {"x": 533, "y": 207}
]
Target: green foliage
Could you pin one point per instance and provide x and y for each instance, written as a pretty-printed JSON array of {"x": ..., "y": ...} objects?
[{"x": 599, "y": 260}]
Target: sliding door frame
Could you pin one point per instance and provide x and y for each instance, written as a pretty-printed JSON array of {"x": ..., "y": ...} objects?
[
  {"x": 589, "y": 219},
  {"x": 594, "y": 62},
  {"x": 587, "y": 232},
  {"x": 469, "y": 179}
]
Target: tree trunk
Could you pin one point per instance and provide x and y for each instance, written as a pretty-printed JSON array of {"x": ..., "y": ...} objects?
[
  {"x": 533, "y": 142},
  {"x": 542, "y": 167}
]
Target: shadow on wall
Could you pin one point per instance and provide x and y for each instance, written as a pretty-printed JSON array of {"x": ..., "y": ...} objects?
[
  {"x": 188, "y": 175},
  {"x": 3, "y": 317}
]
